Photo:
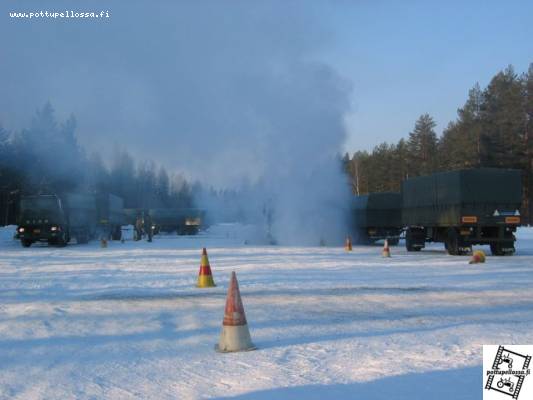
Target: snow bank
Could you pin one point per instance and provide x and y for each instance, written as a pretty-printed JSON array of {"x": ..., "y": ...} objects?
[{"x": 7, "y": 234}]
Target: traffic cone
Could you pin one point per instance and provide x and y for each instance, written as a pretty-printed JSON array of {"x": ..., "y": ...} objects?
[
  {"x": 235, "y": 335},
  {"x": 205, "y": 278},
  {"x": 348, "y": 244},
  {"x": 386, "y": 249},
  {"x": 477, "y": 257},
  {"x": 103, "y": 243}
]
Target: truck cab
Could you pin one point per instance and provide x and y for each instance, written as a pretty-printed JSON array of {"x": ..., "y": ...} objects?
[{"x": 42, "y": 219}]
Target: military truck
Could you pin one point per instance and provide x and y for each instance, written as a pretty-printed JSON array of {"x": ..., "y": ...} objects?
[
  {"x": 56, "y": 220},
  {"x": 377, "y": 216},
  {"x": 462, "y": 208},
  {"x": 184, "y": 221}
]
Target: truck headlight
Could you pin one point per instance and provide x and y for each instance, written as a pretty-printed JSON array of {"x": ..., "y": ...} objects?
[
  {"x": 21, "y": 229},
  {"x": 54, "y": 228}
]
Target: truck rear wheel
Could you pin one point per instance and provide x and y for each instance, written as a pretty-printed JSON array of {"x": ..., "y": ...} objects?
[
  {"x": 502, "y": 248},
  {"x": 455, "y": 244},
  {"x": 26, "y": 243},
  {"x": 414, "y": 239}
]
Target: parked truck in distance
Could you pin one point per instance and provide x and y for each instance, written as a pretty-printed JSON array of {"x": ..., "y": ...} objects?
[
  {"x": 463, "y": 208},
  {"x": 56, "y": 220},
  {"x": 377, "y": 216},
  {"x": 183, "y": 221}
]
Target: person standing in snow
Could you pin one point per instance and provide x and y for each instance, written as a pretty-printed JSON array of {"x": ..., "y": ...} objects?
[
  {"x": 148, "y": 228},
  {"x": 138, "y": 227}
]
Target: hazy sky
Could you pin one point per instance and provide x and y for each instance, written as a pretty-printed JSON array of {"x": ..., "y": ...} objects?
[{"x": 157, "y": 75}]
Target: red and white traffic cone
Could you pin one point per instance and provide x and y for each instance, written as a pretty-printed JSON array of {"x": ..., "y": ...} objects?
[
  {"x": 477, "y": 257},
  {"x": 386, "y": 249},
  {"x": 235, "y": 335},
  {"x": 348, "y": 244}
]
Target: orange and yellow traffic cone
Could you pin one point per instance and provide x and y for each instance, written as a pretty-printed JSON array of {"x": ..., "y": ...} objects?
[
  {"x": 386, "y": 249},
  {"x": 235, "y": 335},
  {"x": 205, "y": 278},
  {"x": 477, "y": 257},
  {"x": 348, "y": 244}
]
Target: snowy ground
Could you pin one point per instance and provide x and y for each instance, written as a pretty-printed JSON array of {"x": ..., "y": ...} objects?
[{"x": 126, "y": 322}]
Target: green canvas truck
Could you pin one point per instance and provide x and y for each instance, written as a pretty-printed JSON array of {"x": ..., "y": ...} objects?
[
  {"x": 463, "y": 208},
  {"x": 56, "y": 220},
  {"x": 377, "y": 216},
  {"x": 184, "y": 221}
]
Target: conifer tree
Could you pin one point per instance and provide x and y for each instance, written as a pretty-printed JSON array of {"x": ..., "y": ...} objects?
[{"x": 422, "y": 146}]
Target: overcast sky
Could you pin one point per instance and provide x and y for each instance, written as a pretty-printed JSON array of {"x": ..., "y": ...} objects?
[{"x": 177, "y": 81}]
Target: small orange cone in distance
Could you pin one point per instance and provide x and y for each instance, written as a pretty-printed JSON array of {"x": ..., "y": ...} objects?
[
  {"x": 348, "y": 244},
  {"x": 386, "y": 249},
  {"x": 477, "y": 257},
  {"x": 235, "y": 335},
  {"x": 205, "y": 278}
]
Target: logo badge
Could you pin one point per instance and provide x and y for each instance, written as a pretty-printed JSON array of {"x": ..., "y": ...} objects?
[{"x": 506, "y": 372}]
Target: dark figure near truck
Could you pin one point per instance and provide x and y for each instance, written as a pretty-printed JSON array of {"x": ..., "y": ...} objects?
[
  {"x": 138, "y": 226},
  {"x": 148, "y": 227}
]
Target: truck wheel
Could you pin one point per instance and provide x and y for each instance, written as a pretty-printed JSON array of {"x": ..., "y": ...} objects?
[
  {"x": 411, "y": 242},
  {"x": 62, "y": 240},
  {"x": 502, "y": 248},
  {"x": 455, "y": 245},
  {"x": 452, "y": 242},
  {"x": 26, "y": 243}
]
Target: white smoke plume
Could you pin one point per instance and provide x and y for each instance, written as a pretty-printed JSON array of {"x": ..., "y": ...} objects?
[{"x": 231, "y": 93}]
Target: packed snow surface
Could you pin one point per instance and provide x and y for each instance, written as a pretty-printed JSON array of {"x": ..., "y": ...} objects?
[{"x": 127, "y": 322}]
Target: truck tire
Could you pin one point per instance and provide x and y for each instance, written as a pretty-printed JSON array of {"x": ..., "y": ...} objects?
[
  {"x": 60, "y": 241},
  {"x": 502, "y": 248},
  {"x": 455, "y": 244},
  {"x": 412, "y": 241},
  {"x": 26, "y": 243}
]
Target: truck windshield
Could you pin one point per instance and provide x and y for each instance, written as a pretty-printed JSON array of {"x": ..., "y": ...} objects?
[
  {"x": 33, "y": 209},
  {"x": 39, "y": 204}
]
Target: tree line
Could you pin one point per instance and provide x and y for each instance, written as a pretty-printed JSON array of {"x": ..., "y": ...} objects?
[
  {"x": 46, "y": 158},
  {"x": 494, "y": 128}
]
